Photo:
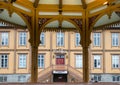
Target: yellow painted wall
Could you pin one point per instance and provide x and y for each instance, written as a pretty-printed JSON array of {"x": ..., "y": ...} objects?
[
  {"x": 23, "y": 70},
  {"x": 10, "y": 68},
  {"x": 69, "y": 58}
]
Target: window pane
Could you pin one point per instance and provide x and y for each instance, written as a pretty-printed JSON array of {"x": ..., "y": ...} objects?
[
  {"x": 4, "y": 61},
  {"x": 4, "y": 38},
  {"x": 115, "y": 39},
  {"x": 22, "y": 38},
  {"x": 115, "y": 61},
  {"x": 77, "y": 37},
  {"x": 42, "y": 38},
  {"x": 78, "y": 61},
  {"x": 60, "y": 39},
  {"x": 22, "y": 60},
  {"x": 97, "y": 37},
  {"x": 41, "y": 61},
  {"x": 97, "y": 62}
]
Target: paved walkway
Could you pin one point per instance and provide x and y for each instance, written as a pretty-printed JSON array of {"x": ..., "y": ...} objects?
[{"x": 60, "y": 84}]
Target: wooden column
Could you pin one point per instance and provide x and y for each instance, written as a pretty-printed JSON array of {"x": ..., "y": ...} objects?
[
  {"x": 34, "y": 65},
  {"x": 85, "y": 42},
  {"x": 34, "y": 41}
]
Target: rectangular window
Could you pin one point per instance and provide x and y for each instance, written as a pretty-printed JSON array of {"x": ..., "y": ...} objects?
[
  {"x": 115, "y": 61},
  {"x": 78, "y": 61},
  {"x": 22, "y": 60},
  {"x": 97, "y": 62},
  {"x": 42, "y": 38},
  {"x": 60, "y": 39},
  {"x": 4, "y": 61},
  {"x": 4, "y": 38},
  {"x": 97, "y": 38},
  {"x": 22, "y": 78},
  {"x": 115, "y": 39},
  {"x": 22, "y": 38},
  {"x": 77, "y": 37},
  {"x": 41, "y": 61},
  {"x": 116, "y": 78},
  {"x": 97, "y": 78},
  {"x": 3, "y": 78}
]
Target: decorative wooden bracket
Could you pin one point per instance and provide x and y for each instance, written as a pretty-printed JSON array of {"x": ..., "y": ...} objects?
[
  {"x": 42, "y": 21},
  {"x": 78, "y": 22},
  {"x": 28, "y": 18},
  {"x": 91, "y": 20}
]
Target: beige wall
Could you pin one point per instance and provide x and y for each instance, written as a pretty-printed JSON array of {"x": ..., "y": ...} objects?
[{"x": 105, "y": 52}]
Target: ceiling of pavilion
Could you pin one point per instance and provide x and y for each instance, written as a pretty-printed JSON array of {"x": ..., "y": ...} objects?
[
  {"x": 68, "y": 2},
  {"x": 15, "y": 18}
]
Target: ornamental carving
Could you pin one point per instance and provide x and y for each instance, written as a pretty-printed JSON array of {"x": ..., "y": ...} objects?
[
  {"x": 78, "y": 22},
  {"x": 29, "y": 19},
  {"x": 92, "y": 19},
  {"x": 42, "y": 21}
]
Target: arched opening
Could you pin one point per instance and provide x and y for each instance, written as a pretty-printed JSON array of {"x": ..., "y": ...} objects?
[
  {"x": 104, "y": 35},
  {"x": 59, "y": 65},
  {"x": 14, "y": 36}
]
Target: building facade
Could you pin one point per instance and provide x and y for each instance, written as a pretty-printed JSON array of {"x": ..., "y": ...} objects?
[{"x": 59, "y": 56}]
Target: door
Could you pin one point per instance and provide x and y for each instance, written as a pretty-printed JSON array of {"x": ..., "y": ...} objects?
[
  {"x": 60, "y": 60},
  {"x": 60, "y": 78}
]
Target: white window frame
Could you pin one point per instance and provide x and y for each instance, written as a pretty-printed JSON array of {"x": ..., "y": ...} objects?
[
  {"x": 41, "y": 61},
  {"x": 22, "y": 38},
  {"x": 97, "y": 61},
  {"x": 77, "y": 39},
  {"x": 60, "y": 38},
  {"x": 115, "y": 39},
  {"x": 4, "y": 59},
  {"x": 4, "y": 38},
  {"x": 22, "y": 60},
  {"x": 115, "y": 61},
  {"x": 42, "y": 38},
  {"x": 97, "y": 39},
  {"x": 79, "y": 61}
]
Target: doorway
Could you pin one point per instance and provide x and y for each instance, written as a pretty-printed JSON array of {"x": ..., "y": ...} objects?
[
  {"x": 59, "y": 77},
  {"x": 60, "y": 60}
]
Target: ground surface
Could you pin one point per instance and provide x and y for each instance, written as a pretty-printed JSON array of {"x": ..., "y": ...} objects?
[{"x": 60, "y": 84}]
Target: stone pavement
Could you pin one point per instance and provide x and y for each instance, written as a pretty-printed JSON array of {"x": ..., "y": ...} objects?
[{"x": 60, "y": 83}]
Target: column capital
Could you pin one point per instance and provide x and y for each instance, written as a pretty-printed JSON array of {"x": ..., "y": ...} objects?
[
  {"x": 33, "y": 43},
  {"x": 88, "y": 42}
]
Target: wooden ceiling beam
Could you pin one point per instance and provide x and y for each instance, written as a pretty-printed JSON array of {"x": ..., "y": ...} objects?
[
  {"x": 36, "y": 3},
  {"x": 60, "y": 6},
  {"x": 84, "y": 5}
]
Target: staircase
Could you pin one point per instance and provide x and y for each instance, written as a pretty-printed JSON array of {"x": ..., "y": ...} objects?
[
  {"x": 77, "y": 75},
  {"x": 46, "y": 74}
]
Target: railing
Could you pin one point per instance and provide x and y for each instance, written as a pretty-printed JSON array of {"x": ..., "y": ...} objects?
[
  {"x": 48, "y": 71},
  {"x": 44, "y": 73},
  {"x": 75, "y": 73}
]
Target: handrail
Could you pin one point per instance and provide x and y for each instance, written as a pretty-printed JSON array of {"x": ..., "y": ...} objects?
[
  {"x": 46, "y": 70},
  {"x": 77, "y": 74},
  {"x": 75, "y": 69}
]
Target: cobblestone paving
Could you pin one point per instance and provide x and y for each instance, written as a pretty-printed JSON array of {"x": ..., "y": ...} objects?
[{"x": 60, "y": 84}]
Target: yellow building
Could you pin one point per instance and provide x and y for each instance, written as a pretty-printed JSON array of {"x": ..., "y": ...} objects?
[
  {"x": 59, "y": 55},
  {"x": 59, "y": 41}
]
